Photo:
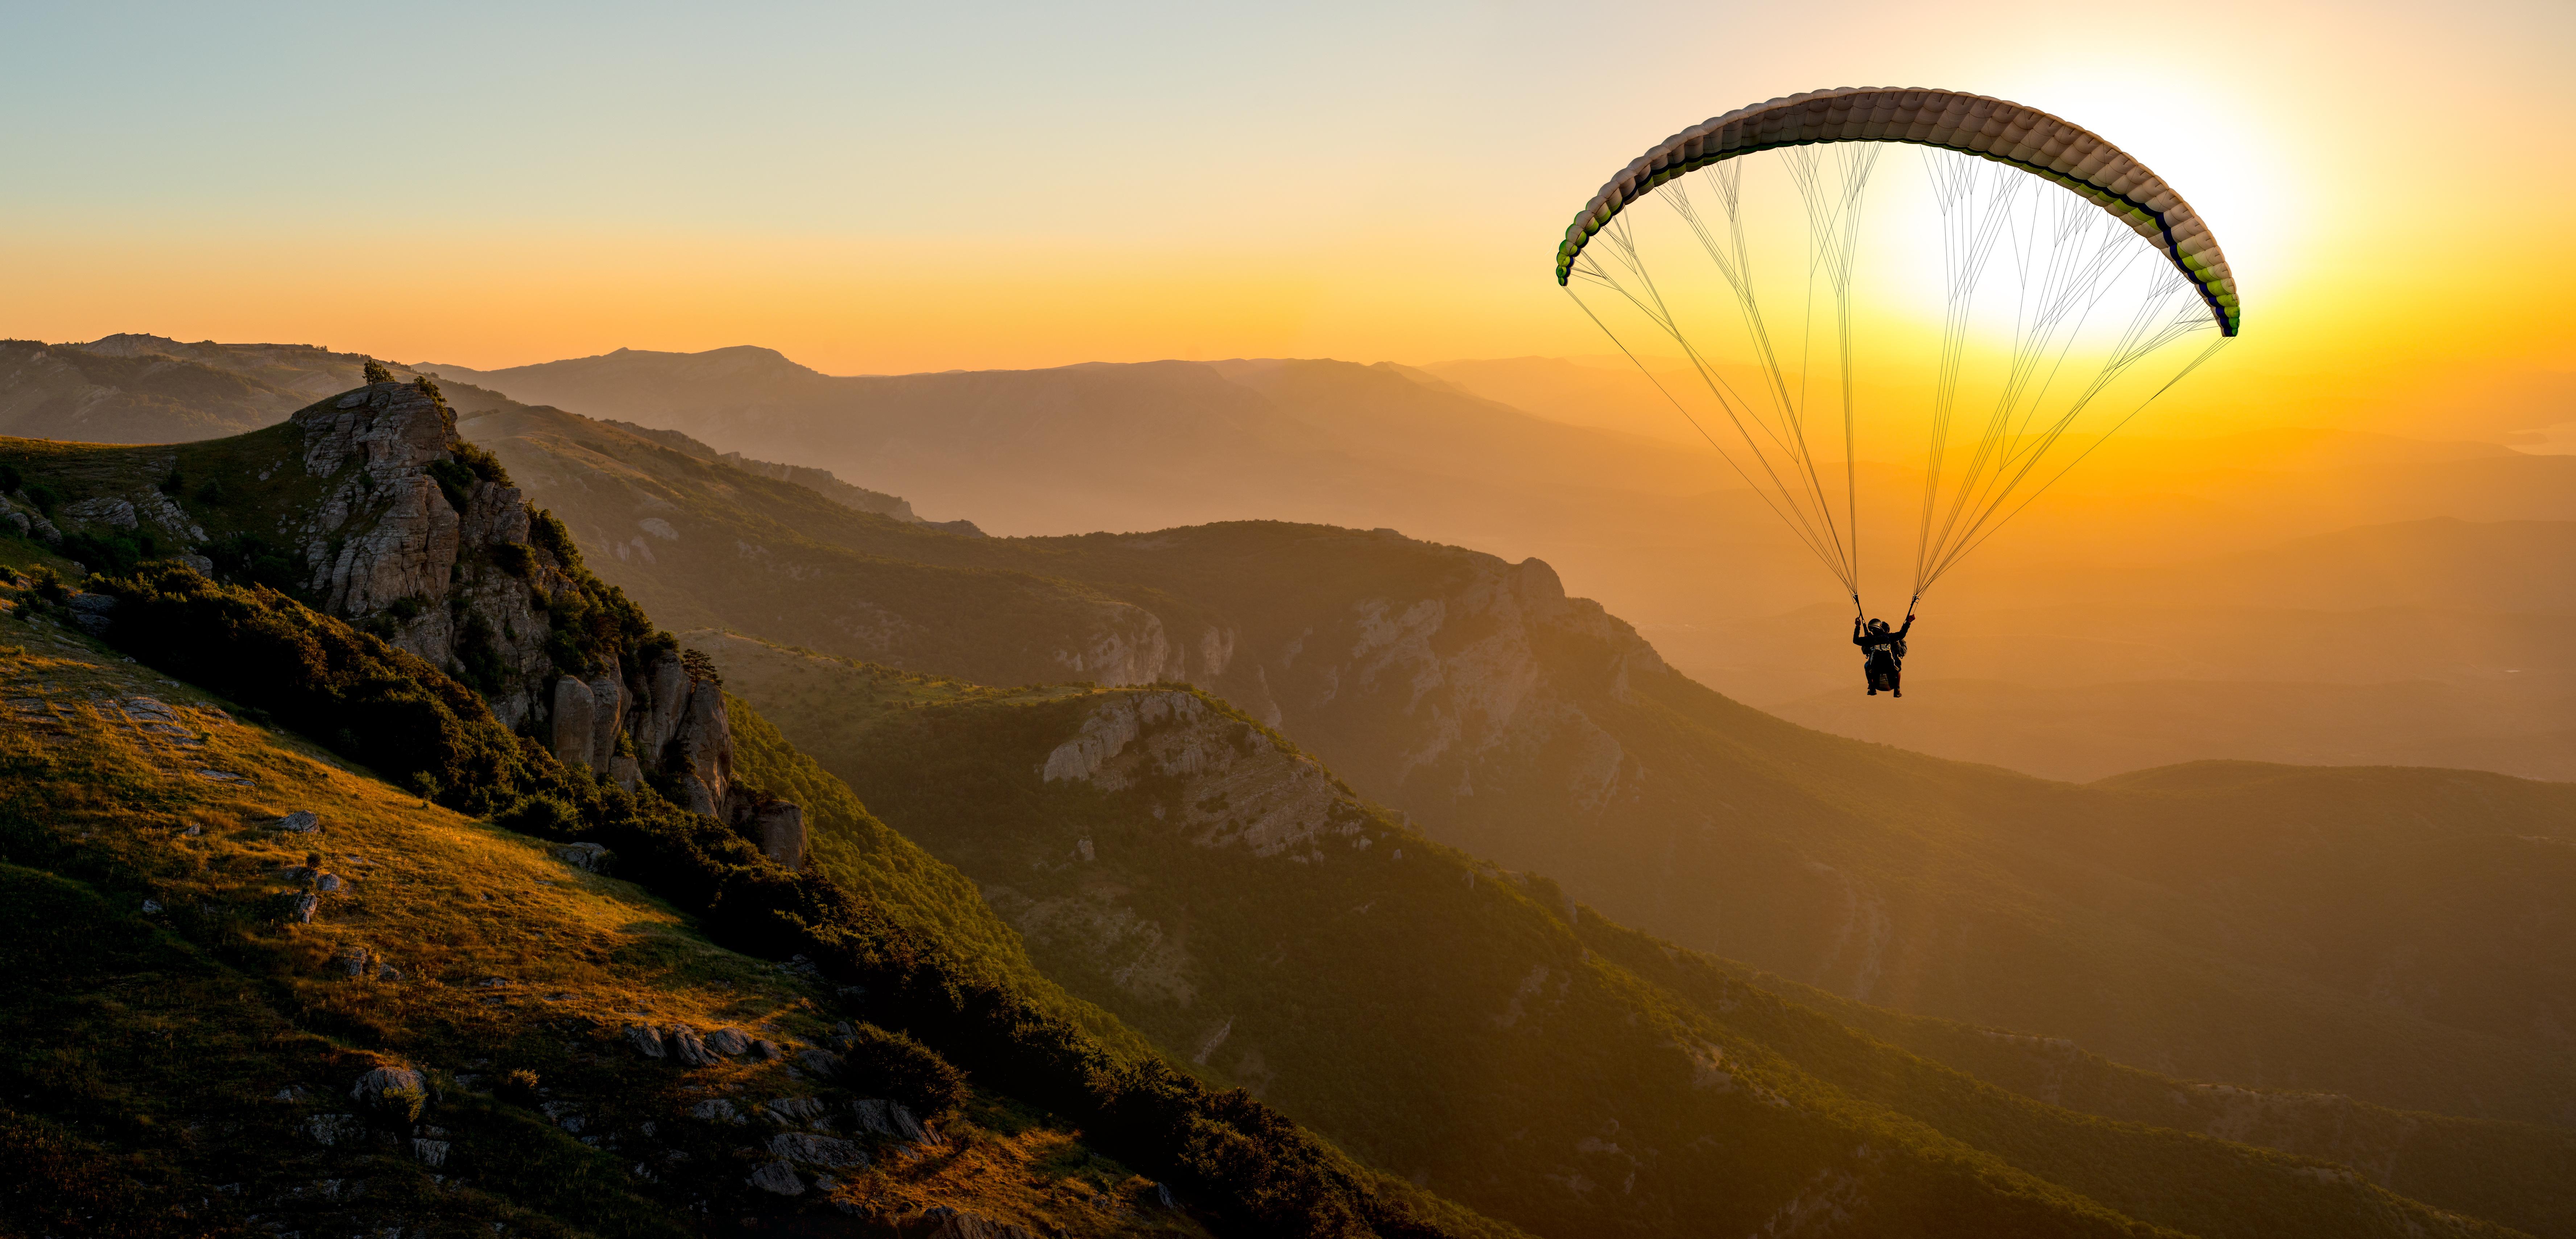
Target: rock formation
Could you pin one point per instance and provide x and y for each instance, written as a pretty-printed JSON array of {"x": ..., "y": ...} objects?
[{"x": 417, "y": 538}]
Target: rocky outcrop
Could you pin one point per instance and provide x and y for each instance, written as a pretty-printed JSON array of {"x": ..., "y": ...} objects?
[
  {"x": 779, "y": 828},
  {"x": 388, "y": 543},
  {"x": 24, "y": 519},
  {"x": 1235, "y": 786},
  {"x": 1125, "y": 644},
  {"x": 441, "y": 559},
  {"x": 1459, "y": 688}
]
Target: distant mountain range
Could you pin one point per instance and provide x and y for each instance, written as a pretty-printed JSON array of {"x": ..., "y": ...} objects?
[{"x": 2217, "y": 562}]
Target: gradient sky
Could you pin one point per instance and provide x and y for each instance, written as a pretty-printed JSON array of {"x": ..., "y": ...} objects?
[{"x": 891, "y": 188}]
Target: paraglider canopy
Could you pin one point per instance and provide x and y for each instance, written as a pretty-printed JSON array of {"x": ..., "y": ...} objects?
[
  {"x": 2050, "y": 311},
  {"x": 1980, "y": 125}
]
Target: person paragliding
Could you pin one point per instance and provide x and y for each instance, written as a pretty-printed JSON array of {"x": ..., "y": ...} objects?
[
  {"x": 1883, "y": 653},
  {"x": 2056, "y": 282}
]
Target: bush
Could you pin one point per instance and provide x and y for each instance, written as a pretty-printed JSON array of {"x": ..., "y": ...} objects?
[
  {"x": 455, "y": 480},
  {"x": 112, "y": 554},
  {"x": 376, "y": 372},
  {"x": 546, "y": 817},
  {"x": 906, "y": 1070},
  {"x": 249, "y": 559},
  {"x": 481, "y": 463}
]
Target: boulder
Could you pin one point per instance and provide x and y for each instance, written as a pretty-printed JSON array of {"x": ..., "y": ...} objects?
[
  {"x": 814, "y": 1150},
  {"x": 823, "y": 1063},
  {"x": 686, "y": 1047},
  {"x": 779, "y": 828},
  {"x": 587, "y": 857},
  {"x": 94, "y": 613},
  {"x": 431, "y": 1153},
  {"x": 105, "y": 510},
  {"x": 353, "y": 960},
  {"x": 372, "y": 1087},
  {"x": 728, "y": 1041},
  {"x": 300, "y": 822},
  {"x": 646, "y": 1041},
  {"x": 717, "y": 1110},
  {"x": 778, "y": 1177},
  {"x": 892, "y": 1118},
  {"x": 793, "y": 1110},
  {"x": 305, "y": 906}
]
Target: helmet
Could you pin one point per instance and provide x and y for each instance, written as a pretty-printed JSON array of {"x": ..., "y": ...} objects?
[{"x": 1878, "y": 625}]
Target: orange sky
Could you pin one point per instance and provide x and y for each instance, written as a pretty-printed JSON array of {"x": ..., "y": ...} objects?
[{"x": 871, "y": 193}]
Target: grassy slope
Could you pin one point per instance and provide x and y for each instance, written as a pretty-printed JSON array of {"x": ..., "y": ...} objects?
[
  {"x": 1441, "y": 1021},
  {"x": 147, "y": 1048}
]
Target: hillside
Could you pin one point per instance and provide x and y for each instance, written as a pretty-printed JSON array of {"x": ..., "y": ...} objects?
[
  {"x": 1217, "y": 889},
  {"x": 410, "y": 610},
  {"x": 1472, "y": 695},
  {"x": 462, "y": 1029}
]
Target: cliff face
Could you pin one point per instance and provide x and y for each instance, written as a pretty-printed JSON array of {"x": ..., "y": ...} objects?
[
  {"x": 385, "y": 540},
  {"x": 403, "y": 530},
  {"x": 1433, "y": 698}
]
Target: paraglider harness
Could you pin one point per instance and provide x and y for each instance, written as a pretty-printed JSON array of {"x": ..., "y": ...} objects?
[{"x": 1882, "y": 641}]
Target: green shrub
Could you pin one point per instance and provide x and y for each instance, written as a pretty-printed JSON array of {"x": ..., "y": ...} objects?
[
  {"x": 455, "y": 480},
  {"x": 906, "y": 1070},
  {"x": 482, "y": 463},
  {"x": 547, "y": 531},
  {"x": 515, "y": 558},
  {"x": 112, "y": 553},
  {"x": 249, "y": 559},
  {"x": 376, "y": 372},
  {"x": 546, "y": 817}
]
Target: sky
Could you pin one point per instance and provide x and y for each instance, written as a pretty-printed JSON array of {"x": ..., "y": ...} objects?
[{"x": 879, "y": 189}]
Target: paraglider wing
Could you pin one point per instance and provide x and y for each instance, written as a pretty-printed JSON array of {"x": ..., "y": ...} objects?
[{"x": 1980, "y": 125}]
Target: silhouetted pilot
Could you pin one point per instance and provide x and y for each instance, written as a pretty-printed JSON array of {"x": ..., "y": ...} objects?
[{"x": 1885, "y": 650}]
